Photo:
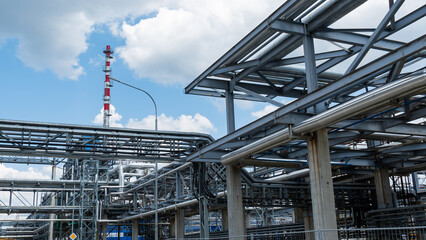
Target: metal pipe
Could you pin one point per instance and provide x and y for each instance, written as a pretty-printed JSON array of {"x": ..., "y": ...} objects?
[
  {"x": 318, "y": 11},
  {"x": 41, "y": 228},
  {"x": 16, "y": 236},
  {"x": 44, "y": 220},
  {"x": 184, "y": 166},
  {"x": 163, "y": 209},
  {"x": 156, "y": 199},
  {"x": 295, "y": 174},
  {"x": 52, "y": 203},
  {"x": 365, "y": 102}
]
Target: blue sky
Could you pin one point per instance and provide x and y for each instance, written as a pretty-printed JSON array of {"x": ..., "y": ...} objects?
[
  {"x": 51, "y": 62},
  {"x": 51, "y": 58}
]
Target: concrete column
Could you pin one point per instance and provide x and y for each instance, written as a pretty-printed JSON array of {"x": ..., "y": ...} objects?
[
  {"x": 236, "y": 225},
  {"x": 135, "y": 229},
  {"x": 225, "y": 219},
  {"x": 104, "y": 231},
  {"x": 308, "y": 220},
  {"x": 383, "y": 189},
  {"x": 321, "y": 182},
  {"x": 179, "y": 226},
  {"x": 298, "y": 215},
  {"x": 247, "y": 220}
]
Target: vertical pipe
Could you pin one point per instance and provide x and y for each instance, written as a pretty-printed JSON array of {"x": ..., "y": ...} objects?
[
  {"x": 156, "y": 199},
  {"x": 107, "y": 97},
  {"x": 52, "y": 203}
]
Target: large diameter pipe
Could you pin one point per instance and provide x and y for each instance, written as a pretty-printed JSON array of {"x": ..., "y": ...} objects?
[{"x": 358, "y": 105}]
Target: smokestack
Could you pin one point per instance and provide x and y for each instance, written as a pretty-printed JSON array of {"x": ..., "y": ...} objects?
[{"x": 107, "y": 97}]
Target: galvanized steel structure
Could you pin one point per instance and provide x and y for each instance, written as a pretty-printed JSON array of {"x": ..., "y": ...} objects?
[{"x": 343, "y": 149}]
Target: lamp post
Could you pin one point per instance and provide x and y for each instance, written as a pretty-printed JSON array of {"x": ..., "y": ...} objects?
[
  {"x": 149, "y": 95},
  {"x": 156, "y": 161}
]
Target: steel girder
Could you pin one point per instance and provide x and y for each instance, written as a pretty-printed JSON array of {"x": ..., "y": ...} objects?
[
  {"x": 255, "y": 69},
  {"x": 19, "y": 138}
]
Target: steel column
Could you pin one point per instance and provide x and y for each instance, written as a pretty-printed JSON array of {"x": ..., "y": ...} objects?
[{"x": 383, "y": 188}]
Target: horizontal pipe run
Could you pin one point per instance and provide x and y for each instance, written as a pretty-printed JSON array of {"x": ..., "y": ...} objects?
[
  {"x": 292, "y": 175},
  {"x": 184, "y": 166},
  {"x": 360, "y": 104},
  {"x": 44, "y": 220},
  {"x": 16, "y": 236},
  {"x": 163, "y": 209}
]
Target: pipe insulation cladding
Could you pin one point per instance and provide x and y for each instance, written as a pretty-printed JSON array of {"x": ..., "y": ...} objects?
[{"x": 370, "y": 100}]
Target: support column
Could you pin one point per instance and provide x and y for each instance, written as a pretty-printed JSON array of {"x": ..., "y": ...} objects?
[
  {"x": 416, "y": 186},
  {"x": 179, "y": 226},
  {"x": 383, "y": 189},
  {"x": 321, "y": 182},
  {"x": 236, "y": 225},
  {"x": 204, "y": 218},
  {"x": 104, "y": 231},
  {"x": 52, "y": 203},
  {"x": 135, "y": 229},
  {"x": 230, "y": 115},
  {"x": 308, "y": 221},
  {"x": 225, "y": 219}
]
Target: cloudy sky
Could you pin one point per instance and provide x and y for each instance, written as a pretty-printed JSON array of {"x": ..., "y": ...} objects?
[{"x": 51, "y": 58}]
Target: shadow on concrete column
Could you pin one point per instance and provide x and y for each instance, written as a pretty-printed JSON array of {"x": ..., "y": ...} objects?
[
  {"x": 236, "y": 224},
  {"x": 321, "y": 182}
]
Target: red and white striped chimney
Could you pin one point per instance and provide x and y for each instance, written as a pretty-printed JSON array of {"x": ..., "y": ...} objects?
[{"x": 107, "y": 95}]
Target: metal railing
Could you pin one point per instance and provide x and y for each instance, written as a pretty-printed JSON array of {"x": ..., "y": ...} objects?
[{"x": 391, "y": 233}]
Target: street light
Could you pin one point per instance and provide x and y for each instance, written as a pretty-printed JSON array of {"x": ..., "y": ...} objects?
[
  {"x": 149, "y": 95},
  {"x": 156, "y": 161}
]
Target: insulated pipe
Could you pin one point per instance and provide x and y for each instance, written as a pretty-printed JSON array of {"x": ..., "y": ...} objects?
[
  {"x": 318, "y": 11},
  {"x": 44, "y": 220},
  {"x": 295, "y": 174},
  {"x": 121, "y": 177},
  {"x": 41, "y": 228},
  {"x": 163, "y": 209},
  {"x": 135, "y": 166},
  {"x": 365, "y": 102},
  {"x": 16, "y": 236},
  {"x": 184, "y": 166}
]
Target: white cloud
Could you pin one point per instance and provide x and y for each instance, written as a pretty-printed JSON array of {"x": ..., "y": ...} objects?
[
  {"x": 179, "y": 39},
  {"x": 244, "y": 105},
  {"x": 113, "y": 119},
  {"x": 52, "y": 34},
  {"x": 25, "y": 197},
  {"x": 173, "y": 43},
  {"x": 179, "y": 43},
  {"x": 30, "y": 173},
  {"x": 267, "y": 109},
  {"x": 186, "y": 123}
]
